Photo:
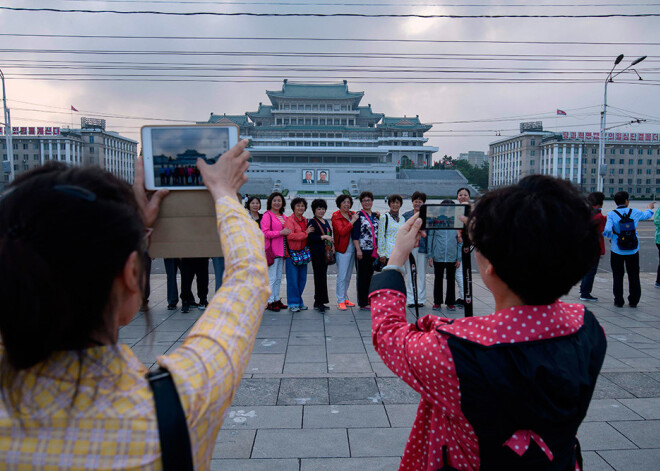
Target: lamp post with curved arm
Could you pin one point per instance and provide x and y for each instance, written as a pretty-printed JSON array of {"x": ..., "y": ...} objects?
[
  {"x": 8, "y": 133},
  {"x": 602, "y": 171}
]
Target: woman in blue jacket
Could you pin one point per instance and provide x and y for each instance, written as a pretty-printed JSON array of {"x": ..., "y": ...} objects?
[{"x": 444, "y": 253}]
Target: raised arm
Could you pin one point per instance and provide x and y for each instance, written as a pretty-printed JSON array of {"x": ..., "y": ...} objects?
[{"x": 208, "y": 367}]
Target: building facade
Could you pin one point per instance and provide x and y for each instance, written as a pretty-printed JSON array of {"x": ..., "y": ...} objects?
[
  {"x": 318, "y": 137},
  {"x": 89, "y": 145},
  {"x": 632, "y": 160},
  {"x": 476, "y": 158}
]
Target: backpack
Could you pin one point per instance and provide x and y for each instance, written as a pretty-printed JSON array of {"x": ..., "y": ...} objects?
[{"x": 627, "y": 235}]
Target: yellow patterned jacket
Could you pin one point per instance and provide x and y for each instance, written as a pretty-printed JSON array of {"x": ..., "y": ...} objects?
[{"x": 112, "y": 423}]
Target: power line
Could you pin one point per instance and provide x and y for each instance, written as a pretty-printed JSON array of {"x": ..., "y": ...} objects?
[
  {"x": 306, "y": 39},
  {"x": 325, "y": 15},
  {"x": 377, "y": 4}
]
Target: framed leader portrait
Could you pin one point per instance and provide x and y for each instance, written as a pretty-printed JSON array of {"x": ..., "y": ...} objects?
[
  {"x": 323, "y": 177},
  {"x": 307, "y": 177}
]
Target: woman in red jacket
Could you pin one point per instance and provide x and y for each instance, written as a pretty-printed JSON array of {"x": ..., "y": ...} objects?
[
  {"x": 342, "y": 225},
  {"x": 272, "y": 225},
  {"x": 296, "y": 270}
]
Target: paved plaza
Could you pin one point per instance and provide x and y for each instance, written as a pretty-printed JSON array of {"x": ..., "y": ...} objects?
[{"x": 316, "y": 396}]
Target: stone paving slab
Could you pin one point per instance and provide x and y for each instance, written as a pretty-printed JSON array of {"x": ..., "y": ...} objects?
[
  {"x": 316, "y": 396},
  {"x": 304, "y": 443},
  {"x": 334, "y": 416}
]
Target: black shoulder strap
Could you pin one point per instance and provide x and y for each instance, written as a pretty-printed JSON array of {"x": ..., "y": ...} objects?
[
  {"x": 175, "y": 449},
  {"x": 629, "y": 213},
  {"x": 618, "y": 214}
]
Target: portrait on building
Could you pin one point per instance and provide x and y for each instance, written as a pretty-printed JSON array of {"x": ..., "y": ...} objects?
[
  {"x": 323, "y": 176},
  {"x": 308, "y": 176},
  {"x": 176, "y": 152}
]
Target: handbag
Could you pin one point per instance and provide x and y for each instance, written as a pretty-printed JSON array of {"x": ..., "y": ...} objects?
[
  {"x": 300, "y": 257},
  {"x": 377, "y": 264},
  {"x": 270, "y": 255},
  {"x": 330, "y": 257}
]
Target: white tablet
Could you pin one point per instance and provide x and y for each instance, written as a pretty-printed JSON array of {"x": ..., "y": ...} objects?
[{"x": 171, "y": 153}]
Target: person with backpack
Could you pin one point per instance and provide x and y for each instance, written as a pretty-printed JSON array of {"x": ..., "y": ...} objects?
[{"x": 621, "y": 227}]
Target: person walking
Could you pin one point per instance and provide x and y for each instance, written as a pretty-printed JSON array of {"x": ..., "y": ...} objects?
[
  {"x": 342, "y": 227},
  {"x": 462, "y": 197},
  {"x": 298, "y": 255},
  {"x": 272, "y": 225},
  {"x": 621, "y": 228},
  {"x": 419, "y": 254},
  {"x": 320, "y": 242},
  {"x": 596, "y": 200},
  {"x": 364, "y": 235},
  {"x": 444, "y": 251},
  {"x": 388, "y": 226}
]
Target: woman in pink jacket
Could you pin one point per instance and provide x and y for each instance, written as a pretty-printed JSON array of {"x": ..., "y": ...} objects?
[{"x": 272, "y": 225}]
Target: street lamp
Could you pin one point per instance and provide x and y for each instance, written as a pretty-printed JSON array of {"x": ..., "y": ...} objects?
[
  {"x": 8, "y": 133},
  {"x": 602, "y": 171}
]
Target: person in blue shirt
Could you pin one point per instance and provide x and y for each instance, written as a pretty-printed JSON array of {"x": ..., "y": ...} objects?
[{"x": 620, "y": 257}]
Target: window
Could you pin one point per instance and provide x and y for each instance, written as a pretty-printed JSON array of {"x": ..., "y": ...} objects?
[
  {"x": 593, "y": 151},
  {"x": 531, "y": 163},
  {"x": 35, "y": 146},
  {"x": 91, "y": 139},
  {"x": 630, "y": 171},
  {"x": 532, "y": 142},
  {"x": 612, "y": 151},
  {"x": 91, "y": 150},
  {"x": 593, "y": 171},
  {"x": 620, "y": 181},
  {"x": 308, "y": 107},
  {"x": 532, "y": 152},
  {"x": 622, "y": 151},
  {"x": 25, "y": 146},
  {"x": 648, "y": 171},
  {"x": 620, "y": 171},
  {"x": 593, "y": 161},
  {"x": 640, "y": 151},
  {"x": 322, "y": 107},
  {"x": 639, "y": 171},
  {"x": 631, "y": 151},
  {"x": 611, "y": 161},
  {"x": 631, "y": 161},
  {"x": 649, "y": 162},
  {"x": 621, "y": 161},
  {"x": 36, "y": 157}
]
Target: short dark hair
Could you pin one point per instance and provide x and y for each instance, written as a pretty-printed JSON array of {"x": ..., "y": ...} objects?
[
  {"x": 621, "y": 197},
  {"x": 418, "y": 195},
  {"x": 269, "y": 201},
  {"x": 596, "y": 198},
  {"x": 538, "y": 235},
  {"x": 366, "y": 194},
  {"x": 296, "y": 200},
  {"x": 323, "y": 171},
  {"x": 53, "y": 220},
  {"x": 340, "y": 199},
  {"x": 319, "y": 203},
  {"x": 250, "y": 200},
  {"x": 463, "y": 188},
  {"x": 392, "y": 198}
]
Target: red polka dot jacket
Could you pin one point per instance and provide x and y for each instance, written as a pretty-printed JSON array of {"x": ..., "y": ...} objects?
[{"x": 503, "y": 391}]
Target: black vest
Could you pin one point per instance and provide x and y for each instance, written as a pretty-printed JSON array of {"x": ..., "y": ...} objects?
[{"x": 544, "y": 386}]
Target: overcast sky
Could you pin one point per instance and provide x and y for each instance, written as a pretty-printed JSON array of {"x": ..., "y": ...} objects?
[{"x": 486, "y": 107}]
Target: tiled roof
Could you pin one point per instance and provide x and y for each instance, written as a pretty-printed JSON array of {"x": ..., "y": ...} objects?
[
  {"x": 264, "y": 111},
  {"x": 405, "y": 121},
  {"x": 240, "y": 119},
  {"x": 313, "y": 90}
]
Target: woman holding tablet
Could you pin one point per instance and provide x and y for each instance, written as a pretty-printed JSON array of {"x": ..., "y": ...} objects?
[{"x": 69, "y": 389}]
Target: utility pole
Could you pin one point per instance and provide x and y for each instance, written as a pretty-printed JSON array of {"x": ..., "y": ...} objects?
[
  {"x": 602, "y": 171},
  {"x": 8, "y": 131}
]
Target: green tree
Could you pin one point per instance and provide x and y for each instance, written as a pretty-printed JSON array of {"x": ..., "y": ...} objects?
[{"x": 476, "y": 175}]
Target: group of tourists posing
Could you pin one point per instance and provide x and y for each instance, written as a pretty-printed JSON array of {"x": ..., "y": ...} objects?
[{"x": 362, "y": 239}]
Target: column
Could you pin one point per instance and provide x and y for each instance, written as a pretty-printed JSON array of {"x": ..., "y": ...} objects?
[
  {"x": 67, "y": 152},
  {"x": 572, "y": 161},
  {"x": 555, "y": 157},
  {"x": 50, "y": 150},
  {"x": 41, "y": 145},
  {"x": 563, "y": 162},
  {"x": 579, "y": 175}
]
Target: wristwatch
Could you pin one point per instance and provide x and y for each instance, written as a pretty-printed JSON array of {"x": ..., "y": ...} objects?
[{"x": 395, "y": 267}]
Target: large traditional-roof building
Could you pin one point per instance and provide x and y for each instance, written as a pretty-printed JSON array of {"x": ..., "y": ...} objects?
[{"x": 323, "y": 129}]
